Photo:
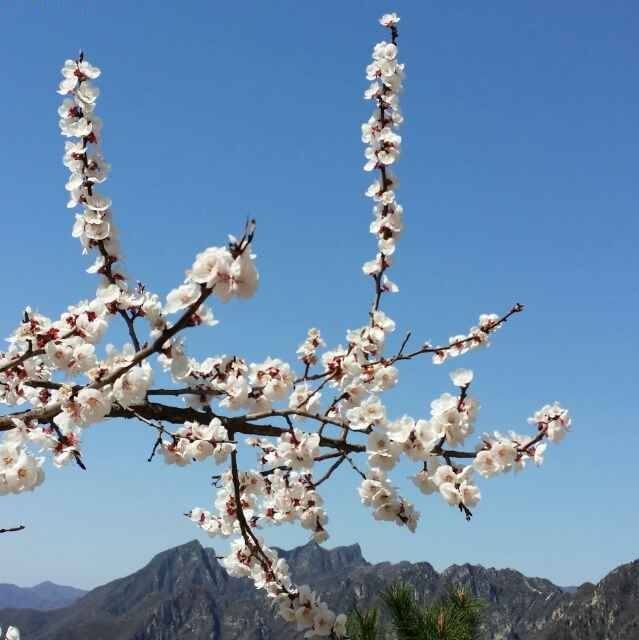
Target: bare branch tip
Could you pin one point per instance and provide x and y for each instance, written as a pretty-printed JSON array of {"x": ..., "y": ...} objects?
[{"x": 13, "y": 529}]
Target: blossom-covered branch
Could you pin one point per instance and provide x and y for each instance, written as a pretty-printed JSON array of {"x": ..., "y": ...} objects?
[
  {"x": 382, "y": 151},
  {"x": 303, "y": 425}
]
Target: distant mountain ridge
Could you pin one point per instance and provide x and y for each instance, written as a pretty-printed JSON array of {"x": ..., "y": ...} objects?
[
  {"x": 43, "y": 596},
  {"x": 184, "y": 593}
]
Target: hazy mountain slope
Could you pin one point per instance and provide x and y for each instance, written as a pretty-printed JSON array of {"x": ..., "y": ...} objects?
[{"x": 43, "y": 596}]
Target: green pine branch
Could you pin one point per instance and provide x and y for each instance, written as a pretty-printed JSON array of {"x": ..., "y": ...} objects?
[{"x": 456, "y": 616}]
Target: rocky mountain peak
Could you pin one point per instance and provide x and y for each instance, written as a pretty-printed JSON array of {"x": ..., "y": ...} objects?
[{"x": 312, "y": 559}]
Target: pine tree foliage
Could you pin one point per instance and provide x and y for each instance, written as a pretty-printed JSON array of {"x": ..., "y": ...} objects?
[{"x": 456, "y": 616}]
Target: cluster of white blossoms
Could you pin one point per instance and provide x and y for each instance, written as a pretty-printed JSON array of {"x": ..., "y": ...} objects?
[
  {"x": 231, "y": 380},
  {"x": 94, "y": 225},
  {"x": 451, "y": 422},
  {"x": 354, "y": 371},
  {"x": 226, "y": 272},
  {"x": 552, "y": 420},
  {"x": 298, "y": 605},
  {"x": 195, "y": 442},
  {"x": 377, "y": 492},
  {"x": 86, "y": 164},
  {"x": 304, "y": 400},
  {"x": 19, "y": 470},
  {"x": 40, "y": 348},
  {"x": 66, "y": 344},
  {"x": 296, "y": 450},
  {"x": 307, "y": 351},
  {"x": 43, "y": 353},
  {"x": 455, "y": 485},
  {"x": 500, "y": 453},
  {"x": 63, "y": 446},
  {"x": 478, "y": 336},
  {"x": 317, "y": 420},
  {"x": 271, "y": 380},
  {"x": 305, "y": 609},
  {"x": 380, "y": 135},
  {"x": 275, "y": 498}
]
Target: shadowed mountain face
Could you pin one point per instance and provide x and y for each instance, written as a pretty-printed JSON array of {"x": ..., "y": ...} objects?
[
  {"x": 607, "y": 610},
  {"x": 185, "y": 593},
  {"x": 43, "y": 596}
]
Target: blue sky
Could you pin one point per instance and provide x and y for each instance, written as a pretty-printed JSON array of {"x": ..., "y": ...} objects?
[{"x": 519, "y": 181}]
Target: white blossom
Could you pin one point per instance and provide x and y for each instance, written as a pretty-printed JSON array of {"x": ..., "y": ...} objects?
[
  {"x": 182, "y": 297},
  {"x": 298, "y": 449},
  {"x": 304, "y": 399},
  {"x": 130, "y": 389},
  {"x": 461, "y": 377},
  {"x": 389, "y": 19},
  {"x": 370, "y": 412},
  {"x": 19, "y": 470}
]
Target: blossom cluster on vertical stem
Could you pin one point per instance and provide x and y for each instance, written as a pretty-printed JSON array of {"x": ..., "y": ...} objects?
[
  {"x": 86, "y": 164},
  {"x": 383, "y": 145}
]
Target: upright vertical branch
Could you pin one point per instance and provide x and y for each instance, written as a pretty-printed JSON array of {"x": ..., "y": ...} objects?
[
  {"x": 94, "y": 226},
  {"x": 383, "y": 149}
]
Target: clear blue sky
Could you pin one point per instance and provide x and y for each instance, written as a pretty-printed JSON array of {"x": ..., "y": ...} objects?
[{"x": 520, "y": 183}]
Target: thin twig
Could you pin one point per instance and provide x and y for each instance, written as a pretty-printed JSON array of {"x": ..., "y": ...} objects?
[
  {"x": 13, "y": 529},
  {"x": 330, "y": 470}
]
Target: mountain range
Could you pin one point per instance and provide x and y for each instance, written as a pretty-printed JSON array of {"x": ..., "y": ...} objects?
[
  {"x": 43, "y": 596},
  {"x": 184, "y": 593}
]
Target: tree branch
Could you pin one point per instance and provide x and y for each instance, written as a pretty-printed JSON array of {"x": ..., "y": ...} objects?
[
  {"x": 31, "y": 353},
  {"x": 427, "y": 348},
  {"x": 13, "y": 529}
]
